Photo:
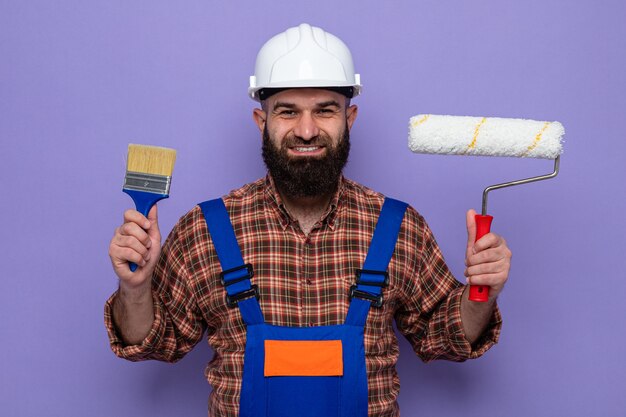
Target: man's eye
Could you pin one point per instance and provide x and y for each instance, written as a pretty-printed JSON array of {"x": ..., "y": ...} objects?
[{"x": 287, "y": 113}]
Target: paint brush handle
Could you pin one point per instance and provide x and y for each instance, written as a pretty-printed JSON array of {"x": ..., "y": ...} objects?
[
  {"x": 480, "y": 293},
  {"x": 143, "y": 203}
]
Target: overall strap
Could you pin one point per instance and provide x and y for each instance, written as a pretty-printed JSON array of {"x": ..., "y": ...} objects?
[
  {"x": 373, "y": 277},
  {"x": 235, "y": 274}
]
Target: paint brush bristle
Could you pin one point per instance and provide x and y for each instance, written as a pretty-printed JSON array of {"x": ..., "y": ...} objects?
[{"x": 151, "y": 159}]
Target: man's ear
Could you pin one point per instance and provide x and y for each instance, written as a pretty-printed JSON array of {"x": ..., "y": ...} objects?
[
  {"x": 260, "y": 118},
  {"x": 351, "y": 113}
]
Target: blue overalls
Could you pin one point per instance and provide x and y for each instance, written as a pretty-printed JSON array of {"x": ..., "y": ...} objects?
[{"x": 304, "y": 371}]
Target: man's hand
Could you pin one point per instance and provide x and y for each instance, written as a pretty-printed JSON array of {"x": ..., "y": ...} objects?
[
  {"x": 488, "y": 260},
  {"x": 138, "y": 240}
]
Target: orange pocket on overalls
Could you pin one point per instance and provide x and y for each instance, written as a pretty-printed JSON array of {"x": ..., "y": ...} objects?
[{"x": 303, "y": 358}]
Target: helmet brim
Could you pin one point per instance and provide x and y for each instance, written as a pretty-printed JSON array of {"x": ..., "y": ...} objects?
[{"x": 265, "y": 93}]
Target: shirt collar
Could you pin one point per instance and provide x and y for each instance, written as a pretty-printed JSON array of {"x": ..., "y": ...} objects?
[{"x": 275, "y": 202}]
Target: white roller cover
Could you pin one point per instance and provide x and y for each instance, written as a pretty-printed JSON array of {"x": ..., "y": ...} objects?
[{"x": 488, "y": 136}]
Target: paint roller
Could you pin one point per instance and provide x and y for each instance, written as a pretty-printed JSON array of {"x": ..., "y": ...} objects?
[{"x": 487, "y": 136}]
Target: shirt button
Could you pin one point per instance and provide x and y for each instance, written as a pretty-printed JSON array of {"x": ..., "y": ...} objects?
[
  {"x": 310, "y": 324},
  {"x": 307, "y": 241},
  {"x": 309, "y": 282}
]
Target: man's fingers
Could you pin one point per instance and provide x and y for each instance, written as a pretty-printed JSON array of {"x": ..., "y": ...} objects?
[
  {"x": 488, "y": 255},
  {"x": 130, "y": 255},
  {"x": 487, "y": 260},
  {"x": 138, "y": 241},
  {"x": 491, "y": 280},
  {"x": 132, "y": 243},
  {"x": 490, "y": 240},
  {"x": 134, "y": 230},
  {"x": 124, "y": 254},
  {"x": 496, "y": 267},
  {"x": 133, "y": 216}
]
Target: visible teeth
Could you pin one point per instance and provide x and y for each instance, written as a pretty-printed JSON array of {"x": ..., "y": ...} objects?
[{"x": 307, "y": 149}]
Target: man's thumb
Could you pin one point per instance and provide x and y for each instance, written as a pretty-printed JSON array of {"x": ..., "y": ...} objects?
[
  {"x": 153, "y": 218},
  {"x": 470, "y": 221}
]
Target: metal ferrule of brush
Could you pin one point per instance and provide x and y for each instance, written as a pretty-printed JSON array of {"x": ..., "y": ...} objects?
[
  {"x": 519, "y": 182},
  {"x": 139, "y": 181}
]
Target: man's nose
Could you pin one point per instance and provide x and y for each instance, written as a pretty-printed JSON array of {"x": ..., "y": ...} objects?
[{"x": 306, "y": 128}]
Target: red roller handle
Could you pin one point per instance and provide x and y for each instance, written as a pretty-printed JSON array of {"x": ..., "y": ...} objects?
[{"x": 480, "y": 293}]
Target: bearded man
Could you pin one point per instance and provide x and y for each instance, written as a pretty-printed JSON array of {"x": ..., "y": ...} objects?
[{"x": 297, "y": 277}]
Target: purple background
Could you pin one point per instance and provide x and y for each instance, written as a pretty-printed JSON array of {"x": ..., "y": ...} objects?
[{"x": 80, "y": 80}]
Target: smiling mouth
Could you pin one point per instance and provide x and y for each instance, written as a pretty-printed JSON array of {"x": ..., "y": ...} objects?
[{"x": 306, "y": 150}]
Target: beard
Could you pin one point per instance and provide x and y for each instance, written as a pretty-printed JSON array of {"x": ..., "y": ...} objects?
[{"x": 306, "y": 176}]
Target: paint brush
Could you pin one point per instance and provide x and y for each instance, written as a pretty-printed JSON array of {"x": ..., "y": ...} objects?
[{"x": 148, "y": 177}]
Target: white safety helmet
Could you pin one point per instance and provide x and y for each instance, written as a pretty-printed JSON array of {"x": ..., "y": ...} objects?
[{"x": 304, "y": 56}]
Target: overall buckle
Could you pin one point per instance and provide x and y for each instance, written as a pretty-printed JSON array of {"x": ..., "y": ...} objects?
[
  {"x": 232, "y": 300},
  {"x": 249, "y": 275},
  {"x": 376, "y": 300},
  {"x": 382, "y": 284}
]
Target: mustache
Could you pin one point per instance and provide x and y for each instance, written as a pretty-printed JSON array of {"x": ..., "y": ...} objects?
[{"x": 319, "y": 140}]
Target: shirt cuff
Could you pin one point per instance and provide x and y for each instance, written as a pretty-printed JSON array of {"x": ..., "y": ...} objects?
[
  {"x": 456, "y": 335},
  {"x": 140, "y": 351}
]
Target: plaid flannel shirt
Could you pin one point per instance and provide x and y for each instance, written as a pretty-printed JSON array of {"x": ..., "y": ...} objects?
[{"x": 303, "y": 281}]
